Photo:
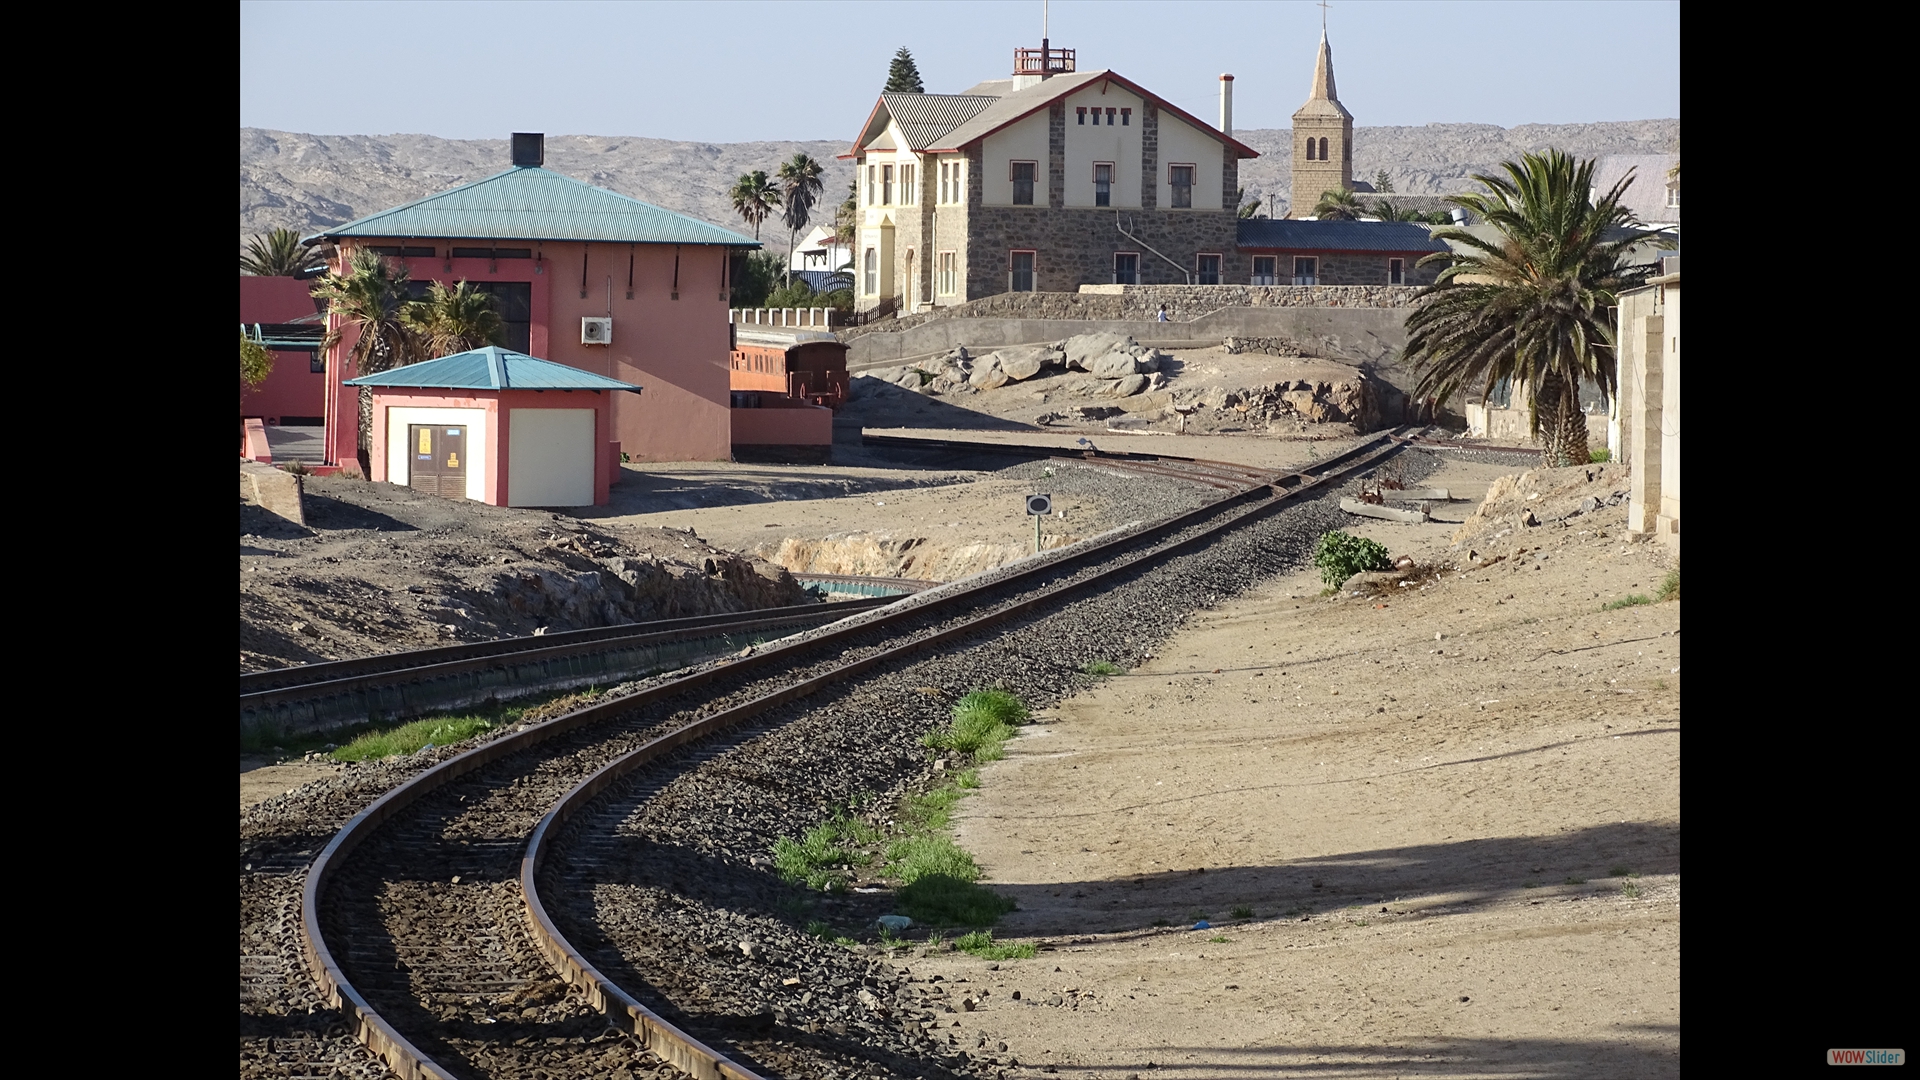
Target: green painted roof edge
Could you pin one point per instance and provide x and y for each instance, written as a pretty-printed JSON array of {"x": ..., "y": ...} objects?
[{"x": 736, "y": 240}]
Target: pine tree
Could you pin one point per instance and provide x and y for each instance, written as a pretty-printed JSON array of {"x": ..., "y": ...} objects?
[{"x": 902, "y": 76}]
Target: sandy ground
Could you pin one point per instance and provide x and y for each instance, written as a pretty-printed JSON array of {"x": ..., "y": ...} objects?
[
  {"x": 1430, "y": 802},
  {"x": 261, "y": 778}
]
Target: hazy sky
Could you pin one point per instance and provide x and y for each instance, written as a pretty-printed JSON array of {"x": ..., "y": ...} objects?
[{"x": 730, "y": 72}]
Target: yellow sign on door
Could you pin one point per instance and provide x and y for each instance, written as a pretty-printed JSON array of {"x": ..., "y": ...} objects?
[
  {"x": 453, "y": 461},
  {"x": 426, "y": 440}
]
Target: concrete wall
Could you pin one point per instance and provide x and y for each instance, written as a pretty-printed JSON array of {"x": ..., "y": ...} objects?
[
  {"x": 675, "y": 348},
  {"x": 801, "y": 425},
  {"x": 1667, "y": 524}
]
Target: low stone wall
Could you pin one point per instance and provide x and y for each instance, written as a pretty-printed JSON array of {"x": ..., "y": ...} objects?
[
  {"x": 1113, "y": 303},
  {"x": 1354, "y": 335}
]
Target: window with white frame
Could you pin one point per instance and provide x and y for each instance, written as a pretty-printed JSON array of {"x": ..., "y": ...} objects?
[
  {"x": 946, "y": 177},
  {"x": 1263, "y": 269},
  {"x": 947, "y": 275},
  {"x": 870, "y": 185},
  {"x": 886, "y": 185},
  {"x": 1022, "y": 176},
  {"x": 1126, "y": 268},
  {"x": 1020, "y": 275},
  {"x": 1306, "y": 270},
  {"x": 1206, "y": 269},
  {"x": 1103, "y": 183},
  {"x": 1180, "y": 179},
  {"x": 1396, "y": 271},
  {"x": 872, "y": 281},
  {"x": 908, "y": 197}
]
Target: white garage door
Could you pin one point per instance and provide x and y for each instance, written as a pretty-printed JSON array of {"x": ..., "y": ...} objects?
[{"x": 550, "y": 457}]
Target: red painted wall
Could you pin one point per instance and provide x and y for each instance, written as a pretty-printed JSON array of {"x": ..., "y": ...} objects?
[
  {"x": 675, "y": 349},
  {"x": 293, "y": 388}
]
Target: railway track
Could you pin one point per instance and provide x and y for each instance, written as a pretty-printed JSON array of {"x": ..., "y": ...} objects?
[
  {"x": 435, "y": 926},
  {"x": 404, "y": 684}
]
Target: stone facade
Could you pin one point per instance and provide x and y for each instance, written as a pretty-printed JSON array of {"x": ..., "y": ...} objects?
[{"x": 1354, "y": 267}]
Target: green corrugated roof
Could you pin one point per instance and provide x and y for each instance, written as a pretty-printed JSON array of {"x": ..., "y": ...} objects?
[
  {"x": 535, "y": 204},
  {"x": 492, "y": 368}
]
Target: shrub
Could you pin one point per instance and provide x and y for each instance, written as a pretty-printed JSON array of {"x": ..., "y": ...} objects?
[
  {"x": 1340, "y": 556},
  {"x": 980, "y": 943},
  {"x": 1670, "y": 587},
  {"x": 815, "y": 859},
  {"x": 982, "y": 723},
  {"x": 1600, "y": 456}
]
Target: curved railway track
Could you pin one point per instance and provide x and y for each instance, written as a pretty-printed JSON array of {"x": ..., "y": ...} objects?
[{"x": 433, "y": 922}]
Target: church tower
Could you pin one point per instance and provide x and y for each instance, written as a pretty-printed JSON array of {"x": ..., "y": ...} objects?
[{"x": 1322, "y": 140}]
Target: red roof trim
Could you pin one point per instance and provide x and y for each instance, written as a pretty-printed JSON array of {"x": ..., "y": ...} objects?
[{"x": 877, "y": 102}]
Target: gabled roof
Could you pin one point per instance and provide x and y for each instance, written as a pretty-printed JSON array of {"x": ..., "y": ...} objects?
[
  {"x": 1647, "y": 196},
  {"x": 923, "y": 118},
  {"x": 491, "y": 368},
  {"x": 1305, "y": 235},
  {"x": 995, "y": 113},
  {"x": 535, "y": 204}
]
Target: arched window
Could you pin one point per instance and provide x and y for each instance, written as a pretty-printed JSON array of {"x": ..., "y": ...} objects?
[
  {"x": 1309, "y": 148},
  {"x": 873, "y": 273},
  {"x": 1323, "y": 149}
]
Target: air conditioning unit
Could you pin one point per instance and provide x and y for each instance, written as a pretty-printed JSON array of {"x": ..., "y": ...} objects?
[{"x": 596, "y": 331}]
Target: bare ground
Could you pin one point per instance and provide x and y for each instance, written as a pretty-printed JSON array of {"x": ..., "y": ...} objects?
[{"x": 1453, "y": 812}]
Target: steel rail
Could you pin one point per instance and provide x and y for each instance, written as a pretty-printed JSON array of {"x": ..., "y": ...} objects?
[
  {"x": 255, "y": 682},
  {"x": 662, "y": 1038}
]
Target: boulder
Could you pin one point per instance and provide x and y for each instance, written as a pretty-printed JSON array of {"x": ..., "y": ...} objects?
[
  {"x": 1113, "y": 365},
  {"x": 987, "y": 374},
  {"x": 1022, "y": 363},
  {"x": 1081, "y": 350},
  {"x": 1129, "y": 386}
]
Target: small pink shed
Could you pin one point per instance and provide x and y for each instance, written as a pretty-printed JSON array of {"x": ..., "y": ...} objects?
[{"x": 496, "y": 426}]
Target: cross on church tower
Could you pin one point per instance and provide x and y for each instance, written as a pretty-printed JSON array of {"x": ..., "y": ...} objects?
[{"x": 1323, "y": 17}]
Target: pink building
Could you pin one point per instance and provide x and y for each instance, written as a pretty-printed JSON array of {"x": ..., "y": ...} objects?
[
  {"x": 279, "y": 312},
  {"x": 584, "y": 277},
  {"x": 496, "y": 426}
]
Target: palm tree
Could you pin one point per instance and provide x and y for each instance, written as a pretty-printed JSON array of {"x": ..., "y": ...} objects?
[
  {"x": 453, "y": 320},
  {"x": 371, "y": 298},
  {"x": 799, "y": 188},
  {"x": 754, "y": 197},
  {"x": 277, "y": 254},
  {"x": 1338, "y": 206},
  {"x": 1386, "y": 211},
  {"x": 846, "y": 219},
  {"x": 1533, "y": 305},
  {"x": 1247, "y": 209}
]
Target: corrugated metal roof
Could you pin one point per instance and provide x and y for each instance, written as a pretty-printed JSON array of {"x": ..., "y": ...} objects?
[
  {"x": 924, "y": 118},
  {"x": 491, "y": 368},
  {"x": 1335, "y": 235},
  {"x": 535, "y": 204}
]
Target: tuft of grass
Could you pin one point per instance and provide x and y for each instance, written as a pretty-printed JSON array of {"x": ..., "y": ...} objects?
[
  {"x": 1243, "y": 912},
  {"x": 982, "y": 723},
  {"x": 410, "y": 737},
  {"x": 1216, "y": 941},
  {"x": 938, "y": 883},
  {"x": 1100, "y": 669},
  {"x": 980, "y": 943},
  {"x": 1620, "y": 871},
  {"x": 1669, "y": 587},
  {"x": 819, "y": 929},
  {"x": 1161, "y": 922},
  {"x": 1576, "y": 881},
  {"x": 1196, "y": 915},
  {"x": 1600, "y": 456},
  {"x": 1630, "y": 891},
  {"x": 1626, "y": 602},
  {"x": 816, "y": 859}
]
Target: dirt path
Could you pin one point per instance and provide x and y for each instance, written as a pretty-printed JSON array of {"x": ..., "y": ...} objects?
[{"x": 1433, "y": 833}]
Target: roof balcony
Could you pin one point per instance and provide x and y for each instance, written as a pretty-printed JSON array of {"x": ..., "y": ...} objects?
[{"x": 1043, "y": 61}]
